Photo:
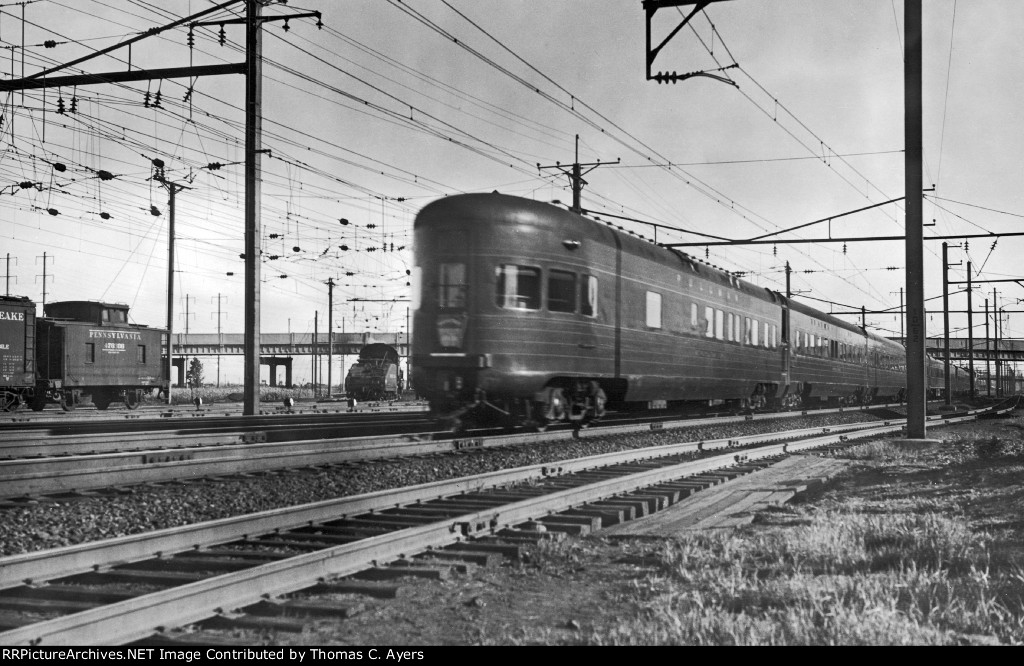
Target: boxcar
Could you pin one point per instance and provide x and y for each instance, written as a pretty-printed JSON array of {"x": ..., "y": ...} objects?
[{"x": 17, "y": 350}]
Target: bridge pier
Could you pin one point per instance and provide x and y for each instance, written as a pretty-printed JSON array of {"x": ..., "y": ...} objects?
[{"x": 274, "y": 363}]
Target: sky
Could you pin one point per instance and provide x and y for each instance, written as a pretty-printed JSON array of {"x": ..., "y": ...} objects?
[{"x": 390, "y": 105}]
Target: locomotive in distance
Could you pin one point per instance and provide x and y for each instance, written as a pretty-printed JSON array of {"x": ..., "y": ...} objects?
[
  {"x": 79, "y": 348},
  {"x": 375, "y": 375},
  {"x": 528, "y": 314}
]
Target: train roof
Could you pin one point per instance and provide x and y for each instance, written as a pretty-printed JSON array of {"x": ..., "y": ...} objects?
[{"x": 528, "y": 211}]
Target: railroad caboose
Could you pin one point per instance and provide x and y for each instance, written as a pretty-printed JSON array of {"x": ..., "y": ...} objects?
[{"x": 89, "y": 348}]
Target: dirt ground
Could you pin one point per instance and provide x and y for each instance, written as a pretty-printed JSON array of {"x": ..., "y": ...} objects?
[{"x": 576, "y": 590}]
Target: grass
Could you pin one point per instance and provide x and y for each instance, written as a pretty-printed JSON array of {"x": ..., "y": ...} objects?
[{"x": 875, "y": 570}]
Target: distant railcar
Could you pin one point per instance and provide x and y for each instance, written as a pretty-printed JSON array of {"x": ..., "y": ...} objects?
[
  {"x": 526, "y": 313},
  {"x": 17, "y": 350},
  {"x": 375, "y": 375},
  {"x": 89, "y": 348}
]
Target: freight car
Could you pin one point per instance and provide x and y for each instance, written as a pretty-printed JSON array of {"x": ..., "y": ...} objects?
[
  {"x": 526, "y": 314},
  {"x": 77, "y": 349},
  {"x": 376, "y": 375}
]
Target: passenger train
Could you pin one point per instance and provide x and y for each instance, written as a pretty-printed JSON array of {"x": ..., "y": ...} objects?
[{"x": 527, "y": 314}]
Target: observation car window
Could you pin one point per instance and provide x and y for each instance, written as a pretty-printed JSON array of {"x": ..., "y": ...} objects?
[
  {"x": 518, "y": 287},
  {"x": 719, "y": 324},
  {"x": 709, "y": 322},
  {"x": 452, "y": 286},
  {"x": 561, "y": 291},
  {"x": 588, "y": 295},
  {"x": 653, "y": 309}
]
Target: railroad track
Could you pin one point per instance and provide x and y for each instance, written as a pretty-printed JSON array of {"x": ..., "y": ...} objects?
[
  {"x": 49, "y": 465},
  {"x": 237, "y": 570}
]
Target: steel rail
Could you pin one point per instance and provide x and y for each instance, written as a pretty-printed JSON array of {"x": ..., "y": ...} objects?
[
  {"x": 50, "y": 475},
  {"x": 137, "y": 618},
  {"x": 140, "y": 617}
]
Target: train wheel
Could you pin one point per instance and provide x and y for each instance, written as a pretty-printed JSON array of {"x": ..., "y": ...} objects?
[{"x": 131, "y": 399}]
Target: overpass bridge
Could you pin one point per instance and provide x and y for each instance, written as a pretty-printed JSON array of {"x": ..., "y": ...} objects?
[
  {"x": 277, "y": 349},
  {"x": 1010, "y": 349}
]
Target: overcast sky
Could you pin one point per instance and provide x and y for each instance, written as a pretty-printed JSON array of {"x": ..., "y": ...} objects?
[{"x": 392, "y": 105}]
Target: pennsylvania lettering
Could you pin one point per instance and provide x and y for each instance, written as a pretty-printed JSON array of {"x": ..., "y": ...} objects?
[{"x": 116, "y": 335}]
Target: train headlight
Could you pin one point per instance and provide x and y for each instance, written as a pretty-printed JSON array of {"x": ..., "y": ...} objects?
[{"x": 451, "y": 330}]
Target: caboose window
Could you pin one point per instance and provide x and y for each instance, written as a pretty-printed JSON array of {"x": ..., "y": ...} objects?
[
  {"x": 90, "y": 352},
  {"x": 653, "y": 309},
  {"x": 452, "y": 286},
  {"x": 104, "y": 315},
  {"x": 588, "y": 295},
  {"x": 140, "y": 354},
  {"x": 518, "y": 287},
  {"x": 561, "y": 291}
]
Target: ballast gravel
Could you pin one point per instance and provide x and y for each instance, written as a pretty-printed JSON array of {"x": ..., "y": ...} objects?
[{"x": 56, "y": 522}]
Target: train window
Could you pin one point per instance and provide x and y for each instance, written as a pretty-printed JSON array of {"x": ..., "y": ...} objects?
[
  {"x": 719, "y": 324},
  {"x": 753, "y": 332},
  {"x": 694, "y": 318},
  {"x": 736, "y": 333},
  {"x": 518, "y": 287},
  {"x": 653, "y": 309},
  {"x": 452, "y": 286},
  {"x": 765, "y": 339},
  {"x": 730, "y": 319},
  {"x": 709, "y": 322},
  {"x": 140, "y": 354},
  {"x": 117, "y": 316},
  {"x": 588, "y": 295},
  {"x": 775, "y": 336},
  {"x": 90, "y": 352},
  {"x": 561, "y": 291}
]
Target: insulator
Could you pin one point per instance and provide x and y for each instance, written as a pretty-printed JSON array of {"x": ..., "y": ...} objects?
[
  {"x": 60, "y": 105},
  {"x": 707, "y": 252},
  {"x": 188, "y": 95},
  {"x": 349, "y": 273},
  {"x": 58, "y": 166},
  {"x": 286, "y": 27},
  {"x": 145, "y": 100},
  {"x": 74, "y": 105},
  {"x": 775, "y": 250},
  {"x": 319, "y": 22},
  {"x": 221, "y": 37},
  {"x": 343, "y": 221},
  {"x": 296, "y": 249},
  {"x": 392, "y": 247},
  {"x": 844, "y": 248},
  {"x": 49, "y": 44},
  {"x": 371, "y": 226},
  {"x": 53, "y": 211},
  {"x": 274, "y": 256},
  {"x": 105, "y": 216},
  {"x": 25, "y": 184},
  {"x": 191, "y": 39},
  {"x": 156, "y": 101},
  {"x": 154, "y": 211},
  {"x": 214, "y": 166},
  {"x": 343, "y": 247},
  {"x": 103, "y": 174},
  {"x": 275, "y": 235}
]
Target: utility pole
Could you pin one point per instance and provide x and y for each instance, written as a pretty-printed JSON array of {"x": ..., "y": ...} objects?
[
  {"x": 970, "y": 331},
  {"x": 8, "y": 289},
  {"x": 316, "y": 354},
  {"x": 187, "y": 314},
  {"x": 220, "y": 340},
  {"x": 575, "y": 173},
  {"x": 330, "y": 332},
  {"x": 44, "y": 258},
  {"x": 172, "y": 190},
  {"x": 917, "y": 378},
  {"x": 988, "y": 364},
  {"x": 945, "y": 322}
]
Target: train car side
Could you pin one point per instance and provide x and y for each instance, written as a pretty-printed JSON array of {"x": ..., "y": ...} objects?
[
  {"x": 89, "y": 349},
  {"x": 17, "y": 351}
]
